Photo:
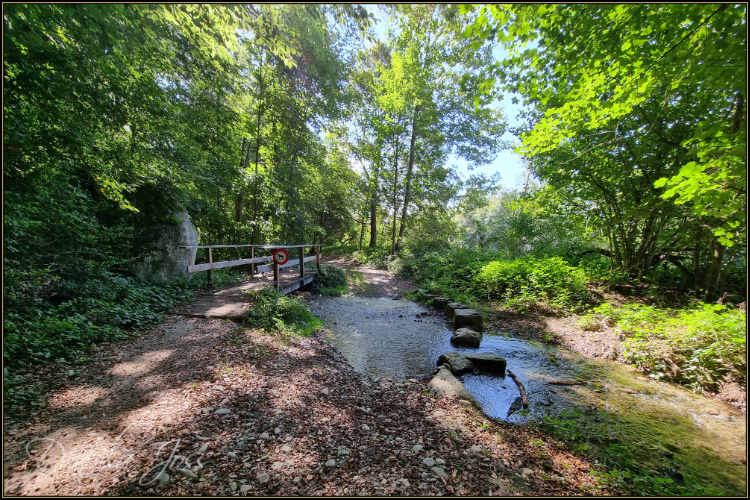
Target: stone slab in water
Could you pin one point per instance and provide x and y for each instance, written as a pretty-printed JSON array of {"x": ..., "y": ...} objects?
[
  {"x": 450, "y": 308},
  {"x": 459, "y": 363},
  {"x": 468, "y": 318},
  {"x": 445, "y": 383},
  {"x": 440, "y": 302},
  {"x": 466, "y": 337},
  {"x": 489, "y": 363}
]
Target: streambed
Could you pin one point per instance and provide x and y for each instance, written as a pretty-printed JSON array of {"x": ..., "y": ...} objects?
[{"x": 669, "y": 427}]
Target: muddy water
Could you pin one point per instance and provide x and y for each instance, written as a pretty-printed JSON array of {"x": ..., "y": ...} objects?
[{"x": 666, "y": 426}]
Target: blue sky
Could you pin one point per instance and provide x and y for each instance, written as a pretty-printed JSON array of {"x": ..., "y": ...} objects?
[{"x": 507, "y": 163}]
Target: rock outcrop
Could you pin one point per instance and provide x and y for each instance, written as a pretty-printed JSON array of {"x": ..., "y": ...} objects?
[{"x": 160, "y": 258}]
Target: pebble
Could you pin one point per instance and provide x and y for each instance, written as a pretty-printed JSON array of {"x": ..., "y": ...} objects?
[
  {"x": 277, "y": 430},
  {"x": 387, "y": 420},
  {"x": 288, "y": 438},
  {"x": 365, "y": 427},
  {"x": 186, "y": 473},
  {"x": 233, "y": 485},
  {"x": 416, "y": 447},
  {"x": 526, "y": 471},
  {"x": 429, "y": 462},
  {"x": 223, "y": 411},
  {"x": 476, "y": 448},
  {"x": 263, "y": 478},
  {"x": 438, "y": 414},
  {"x": 203, "y": 448},
  {"x": 331, "y": 463},
  {"x": 343, "y": 450},
  {"x": 277, "y": 465},
  {"x": 325, "y": 391},
  {"x": 235, "y": 386},
  {"x": 263, "y": 435},
  {"x": 218, "y": 388},
  {"x": 286, "y": 448},
  {"x": 439, "y": 472},
  {"x": 439, "y": 461},
  {"x": 464, "y": 402},
  {"x": 163, "y": 478},
  {"x": 245, "y": 487},
  {"x": 405, "y": 482},
  {"x": 232, "y": 454}
]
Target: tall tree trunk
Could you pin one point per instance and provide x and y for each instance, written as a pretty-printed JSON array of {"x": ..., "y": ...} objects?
[
  {"x": 258, "y": 124},
  {"x": 374, "y": 206},
  {"x": 395, "y": 198},
  {"x": 408, "y": 177},
  {"x": 713, "y": 277},
  {"x": 697, "y": 260}
]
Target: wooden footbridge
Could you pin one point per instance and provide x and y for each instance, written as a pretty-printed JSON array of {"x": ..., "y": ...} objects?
[{"x": 231, "y": 302}]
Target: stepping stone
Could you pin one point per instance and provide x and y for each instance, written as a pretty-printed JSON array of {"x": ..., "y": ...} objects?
[
  {"x": 466, "y": 337},
  {"x": 489, "y": 363},
  {"x": 440, "y": 302},
  {"x": 468, "y": 318},
  {"x": 459, "y": 363},
  {"x": 450, "y": 308}
]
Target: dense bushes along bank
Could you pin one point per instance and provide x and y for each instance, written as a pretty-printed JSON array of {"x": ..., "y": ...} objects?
[{"x": 699, "y": 345}]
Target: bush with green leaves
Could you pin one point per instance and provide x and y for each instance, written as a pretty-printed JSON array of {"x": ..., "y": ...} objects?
[
  {"x": 330, "y": 280},
  {"x": 105, "y": 307},
  {"x": 273, "y": 312},
  {"x": 524, "y": 282},
  {"x": 698, "y": 347}
]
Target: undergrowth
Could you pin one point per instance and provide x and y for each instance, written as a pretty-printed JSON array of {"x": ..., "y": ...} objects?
[
  {"x": 108, "y": 308},
  {"x": 331, "y": 281},
  {"x": 697, "y": 347},
  {"x": 273, "y": 312},
  {"x": 623, "y": 467}
]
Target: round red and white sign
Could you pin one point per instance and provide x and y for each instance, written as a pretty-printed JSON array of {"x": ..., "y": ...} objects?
[{"x": 280, "y": 256}]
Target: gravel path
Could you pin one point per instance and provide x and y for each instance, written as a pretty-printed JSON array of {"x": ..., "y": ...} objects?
[{"x": 209, "y": 407}]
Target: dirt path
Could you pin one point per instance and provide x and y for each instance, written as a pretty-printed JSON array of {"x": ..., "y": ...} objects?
[{"x": 209, "y": 407}]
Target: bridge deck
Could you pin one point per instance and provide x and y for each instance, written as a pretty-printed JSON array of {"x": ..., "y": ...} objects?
[{"x": 231, "y": 303}]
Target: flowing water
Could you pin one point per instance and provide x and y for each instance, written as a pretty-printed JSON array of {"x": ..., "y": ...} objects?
[{"x": 669, "y": 427}]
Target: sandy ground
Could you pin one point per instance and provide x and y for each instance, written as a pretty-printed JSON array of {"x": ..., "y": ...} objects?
[{"x": 210, "y": 407}]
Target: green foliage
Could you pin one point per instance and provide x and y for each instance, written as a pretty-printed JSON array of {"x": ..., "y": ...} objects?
[
  {"x": 526, "y": 281},
  {"x": 330, "y": 280},
  {"x": 698, "y": 347},
  {"x": 624, "y": 470},
  {"x": 276, "y": 313}
]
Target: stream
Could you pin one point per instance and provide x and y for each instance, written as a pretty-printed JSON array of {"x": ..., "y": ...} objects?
[{"x": 670, "y": 428}]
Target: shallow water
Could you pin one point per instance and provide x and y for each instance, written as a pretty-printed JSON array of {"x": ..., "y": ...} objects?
[{"x": 705, "y": 439}]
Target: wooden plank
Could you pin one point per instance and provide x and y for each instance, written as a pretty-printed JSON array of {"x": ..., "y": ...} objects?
[
  {"x": 256, "y": 246},
  {"x": 302, "y": 262},
  {"x": 289, "y": 264},
  {"x": 288, "y": 246},
  {"x": 263, "y": 269},
  {"x": 252, "y": 266},
  {"x": 226, "y": 263},
  {"x": 317, "y": 258}
]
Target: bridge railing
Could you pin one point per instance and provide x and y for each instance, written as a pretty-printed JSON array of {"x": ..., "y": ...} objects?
[{"x": 253, "y": 260}]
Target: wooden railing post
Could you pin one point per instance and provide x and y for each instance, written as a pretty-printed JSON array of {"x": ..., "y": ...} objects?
[
  {"x": 317, "y": 257},
  {"x": 276, "y": 275},
  {"x": 252, "y": 264},
  {"x": 301, "y": 262},
  {"x": 210, "y": 271}
]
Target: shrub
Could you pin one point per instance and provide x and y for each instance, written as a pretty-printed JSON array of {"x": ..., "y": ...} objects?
[
  {"x": 527, "y": 281},
  {"x": 330, "y": 280},
  {"x": 276, "y": 313},
  {"x": 697, "y": 347}
]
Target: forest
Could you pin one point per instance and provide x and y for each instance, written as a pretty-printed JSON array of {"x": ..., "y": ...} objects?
[{"x": 341, "y": 125}]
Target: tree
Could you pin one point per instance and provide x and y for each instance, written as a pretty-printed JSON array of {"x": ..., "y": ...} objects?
[{"x": 653, "y": 98}]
